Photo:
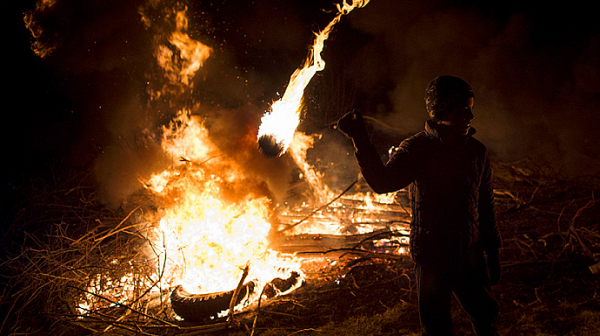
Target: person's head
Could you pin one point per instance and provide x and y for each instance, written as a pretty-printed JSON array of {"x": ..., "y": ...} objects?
[{"x": 449, "y": 101}]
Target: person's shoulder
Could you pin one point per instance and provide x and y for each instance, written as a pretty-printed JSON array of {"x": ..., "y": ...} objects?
[
  {"x": 476, "y": 142},
  {"x": 478, "y": 145},
  {"x": 421, "y": 136},
  {"x": 416, "y": 140}
]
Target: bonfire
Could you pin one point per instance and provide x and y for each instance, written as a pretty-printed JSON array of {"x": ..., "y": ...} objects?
[{"x": 203, "y": 247}]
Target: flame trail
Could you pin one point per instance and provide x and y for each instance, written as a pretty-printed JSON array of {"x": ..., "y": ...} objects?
[{"x": 278, "y": 125}]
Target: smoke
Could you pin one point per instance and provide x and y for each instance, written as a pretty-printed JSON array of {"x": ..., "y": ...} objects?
[
  {"x": 534, "y": 73},
  {"x": 96, "y": 53},
  {"x": 534, "y": 76}
]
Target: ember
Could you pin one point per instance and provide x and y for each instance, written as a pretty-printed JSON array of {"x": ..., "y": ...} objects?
[
  {"x": 140, "y": 202},
  {"x": 208, "y": 245}
]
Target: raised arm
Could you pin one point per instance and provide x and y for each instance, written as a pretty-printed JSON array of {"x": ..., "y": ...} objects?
[{"x": 382, "y": 178}]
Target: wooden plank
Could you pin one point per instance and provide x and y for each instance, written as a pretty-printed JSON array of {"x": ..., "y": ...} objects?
[{"x": 327, "y": 242}]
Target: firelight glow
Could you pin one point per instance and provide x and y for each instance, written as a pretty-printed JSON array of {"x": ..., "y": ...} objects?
[
  {"x": 212, "y": 220},
  {"x": 278, "y": 125},
  {"x": 208, "y": 233}
]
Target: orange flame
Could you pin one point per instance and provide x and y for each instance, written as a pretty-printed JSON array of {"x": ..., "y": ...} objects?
[
  {"x": 183, "y": 56},
  {"x": 41, "y": 45},
  {"x": 206, "y": 231},
  {"x": 298, "y": 149},
  {"x": 206, "y": 235},
  {"x": 282, "y": 120}
]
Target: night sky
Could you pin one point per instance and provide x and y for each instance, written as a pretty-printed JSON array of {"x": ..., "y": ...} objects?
[{"x": 534, "y": 67}]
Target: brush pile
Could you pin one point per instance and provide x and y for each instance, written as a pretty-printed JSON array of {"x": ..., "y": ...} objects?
[{"x": 71, "y": 266}]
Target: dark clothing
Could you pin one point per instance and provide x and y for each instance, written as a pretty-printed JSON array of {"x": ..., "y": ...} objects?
[
  {"x": 451, "y": 191},
  {"x": 453, "y": 220},
  {"x": 470, "y": 287}
]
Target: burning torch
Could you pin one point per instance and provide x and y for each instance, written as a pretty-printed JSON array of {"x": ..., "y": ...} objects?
[{"x": 279, "y": 123}]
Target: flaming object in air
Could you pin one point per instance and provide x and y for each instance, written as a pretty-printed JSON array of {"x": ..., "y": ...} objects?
[
  {"x": 279, "y": 124},
  {"x": 211, "y": 221},
  {"x": 211, "y": 224}
]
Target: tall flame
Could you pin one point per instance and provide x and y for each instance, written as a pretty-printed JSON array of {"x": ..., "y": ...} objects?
[
  {"x": 278, "y": 125},
  {"x": 207, "y": 235},
  {"x": 212, "y": 220}
]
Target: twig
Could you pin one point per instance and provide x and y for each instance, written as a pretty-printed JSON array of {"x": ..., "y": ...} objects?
[
  {"x": 381, "y": 235},
  {"x": 318, "y": 209},
  {"x": 572, "y": 232},
  {"x": 303, "y": 330},
  {"x": 561, "y": 214},
  {"x": 114, "y": 230},
  {"x": 236, "y": 293},
  {"x": 8, "y": 313},
  {"x": 364, "y": 253},
  {"x": 258, "y": 309},
  {"x": 127, "y": 307},
  {"x": 279, "y": 313}
]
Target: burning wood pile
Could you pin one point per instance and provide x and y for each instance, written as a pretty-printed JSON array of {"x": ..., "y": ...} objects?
[
  {"x": 356, "y": 222},
  {"x": 96, "y": 277},
  {"x": 203, "y": 241},
  {"x": 203, "y": 246},
  {"x": 119, "y": 275}
]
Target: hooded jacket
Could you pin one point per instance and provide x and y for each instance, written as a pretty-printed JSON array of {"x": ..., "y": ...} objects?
[{"x": 451, "y": 193}]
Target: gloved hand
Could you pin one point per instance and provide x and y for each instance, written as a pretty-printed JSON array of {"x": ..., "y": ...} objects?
[
  {"x": 353, "y": 125},
  {"x": 494, "y": 267}
]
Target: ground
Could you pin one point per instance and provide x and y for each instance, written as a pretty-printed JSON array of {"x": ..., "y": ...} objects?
[
  {"x": 551, "y": 235},
  {"x": 550, "y": 230}
]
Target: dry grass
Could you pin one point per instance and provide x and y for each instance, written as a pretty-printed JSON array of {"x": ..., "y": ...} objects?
[
  {"x": 62, "y": 243},
  {"x": 68, "y": 261}
]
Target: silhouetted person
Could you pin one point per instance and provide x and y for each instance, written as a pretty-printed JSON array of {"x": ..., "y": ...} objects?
[{"x": 453, "y": 226}]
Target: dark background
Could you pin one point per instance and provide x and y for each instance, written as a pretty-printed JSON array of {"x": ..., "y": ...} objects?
[{"x": 534, "y": 67}]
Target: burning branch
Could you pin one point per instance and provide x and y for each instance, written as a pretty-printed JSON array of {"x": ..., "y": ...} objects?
[
  {"x": 236, "y": 293},
  {"x": 289, "y": 227}
]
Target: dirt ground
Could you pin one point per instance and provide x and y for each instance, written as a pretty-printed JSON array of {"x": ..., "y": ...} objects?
[{"x": 551, "y": 235}]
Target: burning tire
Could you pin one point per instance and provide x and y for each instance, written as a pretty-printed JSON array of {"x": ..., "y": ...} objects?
[
  {"x": 279, "y": 285},
  {"x": 200, "y": 307}
]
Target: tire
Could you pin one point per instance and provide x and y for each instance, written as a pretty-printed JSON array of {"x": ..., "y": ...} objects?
[
  {"x": 279, "y": 285},
  {"x": 202, "y": 307}
]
